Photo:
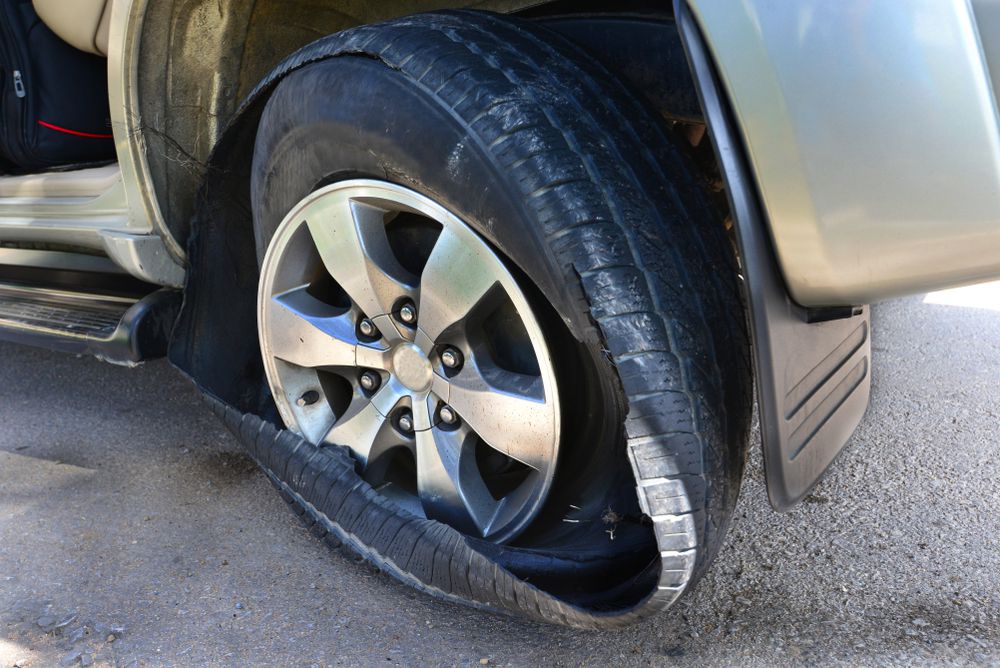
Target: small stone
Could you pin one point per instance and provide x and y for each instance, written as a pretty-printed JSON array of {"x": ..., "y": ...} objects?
[
  {"x": 110, "y": 638},
  {"x": 919, "y": 621},
  {"x": 239, "y": 606},
  {"x": 45, "y": 620},
  {"x": 71, "y": 658},
  {"x": 21, "y": 663},
  {"x": 674, "y": 651},
  {"x": 64, "y": 622},
  {"x": 484, "y": 662}
]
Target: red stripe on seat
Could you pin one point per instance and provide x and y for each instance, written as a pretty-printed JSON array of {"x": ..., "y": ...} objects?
[{"x": 75, "y": 133}]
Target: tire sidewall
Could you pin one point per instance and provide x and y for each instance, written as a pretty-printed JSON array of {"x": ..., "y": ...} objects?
[{"x": 383, "y": 127}]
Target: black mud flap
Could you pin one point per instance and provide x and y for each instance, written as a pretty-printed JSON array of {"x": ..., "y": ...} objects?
[
  {"x": 321, "y": 483},
  {"x": 813, "y": 368}
]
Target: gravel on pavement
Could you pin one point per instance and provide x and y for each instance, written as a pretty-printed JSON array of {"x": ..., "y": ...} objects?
[{"x": 134, "y": 532}]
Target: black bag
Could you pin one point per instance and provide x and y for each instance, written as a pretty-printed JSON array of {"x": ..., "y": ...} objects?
[{"x": 53, "y": 97}]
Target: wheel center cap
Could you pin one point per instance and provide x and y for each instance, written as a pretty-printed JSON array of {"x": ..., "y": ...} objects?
[{"x": 411, "y": 367}]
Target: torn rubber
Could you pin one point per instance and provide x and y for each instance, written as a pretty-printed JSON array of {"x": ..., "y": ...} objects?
[{"x": 436, "y": 559}]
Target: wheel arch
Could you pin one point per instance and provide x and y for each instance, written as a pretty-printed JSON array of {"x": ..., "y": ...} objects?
[
  {"x": 220, "y": 248},
  {"x": 197, "y": 164},
  {"x": 186, "y": 65}
]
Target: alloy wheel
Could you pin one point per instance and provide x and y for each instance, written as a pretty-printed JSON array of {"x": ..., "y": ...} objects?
[{"x": 389, "y": 326}]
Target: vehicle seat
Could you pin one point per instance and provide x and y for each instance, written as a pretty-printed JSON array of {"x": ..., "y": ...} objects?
[{"x": 82, "y": 23}]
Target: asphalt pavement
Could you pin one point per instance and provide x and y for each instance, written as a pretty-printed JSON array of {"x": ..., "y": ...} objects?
[{"x": 134, "y": 532}]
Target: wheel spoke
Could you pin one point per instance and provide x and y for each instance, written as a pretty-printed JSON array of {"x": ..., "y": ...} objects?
[
  {"x": 456, "y": 278},
  {"x": 508, "y": 411},
  {"x": 388, "y": 396},
  {"x": 449, "y": 484},
  {"x": 392, "y": 331},
  {"x": 372, "y": 356},
  {"x": 305, "y": 332},
  {"x": 351, "y": 240},
  {"x": 363, "y": 429},
  {"x": 423, "y": 411}
]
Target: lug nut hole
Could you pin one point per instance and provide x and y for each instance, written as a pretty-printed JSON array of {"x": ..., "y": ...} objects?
[
  {"x": 369, "y": 381},
  {"x": 405, "y": 422},
  {"x": 452, "y": 360},
  {"x": 407, "y": 313},
  {"x": 367, "y": 329},
  {"x": 448, "y": 416}
]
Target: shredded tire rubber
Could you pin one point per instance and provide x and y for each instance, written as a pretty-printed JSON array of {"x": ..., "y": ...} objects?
[{"x": 431, "y": 556}]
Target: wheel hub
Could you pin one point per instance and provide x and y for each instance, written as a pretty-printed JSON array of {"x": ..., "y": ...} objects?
[
  {"x": 412, "y": 367},
  {"x": 448, "y": 402}
]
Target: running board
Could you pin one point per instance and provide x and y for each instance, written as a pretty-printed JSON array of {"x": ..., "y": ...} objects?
[
  {"x": 813, "y": 367},
  {"x": 121, "y": 330}
]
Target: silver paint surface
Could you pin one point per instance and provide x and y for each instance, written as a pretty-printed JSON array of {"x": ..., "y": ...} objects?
[{"x": 872, "y": 129}]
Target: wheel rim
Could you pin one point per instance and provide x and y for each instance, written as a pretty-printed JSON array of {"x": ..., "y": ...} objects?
[{"x": 388, "y": 326}]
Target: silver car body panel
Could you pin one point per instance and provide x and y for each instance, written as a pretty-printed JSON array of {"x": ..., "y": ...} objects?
[
  {"x": 871, "y": 127},
  {"x": 106, "y": 209},
  {"x": 89, "y": 209}
]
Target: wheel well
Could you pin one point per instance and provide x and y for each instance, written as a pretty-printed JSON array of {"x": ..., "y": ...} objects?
[
  {"x": 198, "y": 61},
  {"x": 200, "y": 142}
]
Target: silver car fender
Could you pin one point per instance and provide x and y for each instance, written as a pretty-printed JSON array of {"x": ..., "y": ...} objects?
[{"x": 871, "y": 130}]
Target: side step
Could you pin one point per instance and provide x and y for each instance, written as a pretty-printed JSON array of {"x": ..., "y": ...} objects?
[{"x": 122, "y": 330}]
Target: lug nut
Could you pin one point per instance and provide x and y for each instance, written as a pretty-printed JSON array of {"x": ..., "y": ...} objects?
[
  {"x": 307, "y": 399},
  {"x": 408, "y": 313},
  {"x": 370, "y": 381},
  {"x": 406, "y": 422},
  {"x": 368, "y": 328},
  {"x": 448, "y": 414},
  {"x": 451, "y": 358}
]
